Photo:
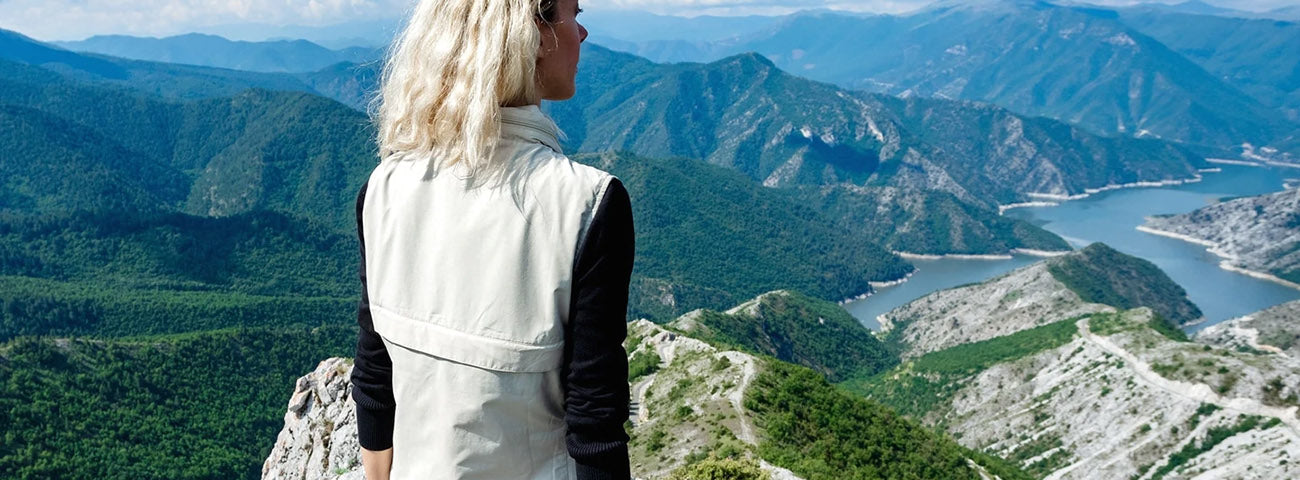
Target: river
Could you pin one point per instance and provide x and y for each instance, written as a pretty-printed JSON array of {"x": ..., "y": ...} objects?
[{"x": 1112, "y": 217}]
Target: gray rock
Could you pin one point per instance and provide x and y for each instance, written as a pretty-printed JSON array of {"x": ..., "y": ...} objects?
[{"x": 319, "y": 439}]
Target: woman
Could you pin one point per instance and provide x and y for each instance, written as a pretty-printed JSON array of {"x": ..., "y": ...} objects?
[{"x": 495, "y": 270}]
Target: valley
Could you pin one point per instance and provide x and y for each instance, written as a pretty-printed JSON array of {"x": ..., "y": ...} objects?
[{"x": 1062, "y": 239}]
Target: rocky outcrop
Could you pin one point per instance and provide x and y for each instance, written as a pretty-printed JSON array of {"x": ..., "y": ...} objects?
[
  {"x": 690, "y": 403},
  {"x": 319, "y": 439},
  {"x": 1276, "y": 330},
  {"x": 1121, "y": 400},
  {"x": 1019, "y": 300},
  {"x": 1094, "y": 279},
  {"x": 1259, "y": 235}
]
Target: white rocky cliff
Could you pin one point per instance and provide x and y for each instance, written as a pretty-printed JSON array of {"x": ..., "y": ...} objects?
[
  {"x": 319, "y": 439},
  {"x": 1254, "y": 235}
]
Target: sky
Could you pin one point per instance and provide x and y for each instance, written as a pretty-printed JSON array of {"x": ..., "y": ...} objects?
[{"x": 77, "y": 19}]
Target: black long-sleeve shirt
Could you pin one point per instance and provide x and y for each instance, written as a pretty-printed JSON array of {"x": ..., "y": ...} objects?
[{"x": 595, "y": 364}]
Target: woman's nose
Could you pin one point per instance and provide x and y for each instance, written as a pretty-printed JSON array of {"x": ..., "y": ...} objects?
[{"x": 582, "y": 33}]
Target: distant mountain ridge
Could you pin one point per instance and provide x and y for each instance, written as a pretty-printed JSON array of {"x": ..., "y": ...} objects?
[
  {"x": 1259, "y": 56},
  {"x": 154, "y": 78},
  {"x": 744, "y": 113},
  {"x": 212, "y": 51},
  {"x": 1075, "y": 64}
]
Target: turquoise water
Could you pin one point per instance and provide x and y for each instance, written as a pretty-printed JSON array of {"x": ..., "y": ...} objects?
[{"x": 1112, "y": 217}]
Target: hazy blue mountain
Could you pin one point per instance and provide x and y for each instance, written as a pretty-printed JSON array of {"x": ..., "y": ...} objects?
[
  {"x": 637, "y": 26},
  {"x": 214, "y": 51},
  {"x": 1260, "y": 57},
  {"x": 165, "y": 79},
  {"x": 376, "y": 33},
  {"x": 1074, "y": 64},
  {"x": 744, "y": 113},
  {"x": 1190, "y": 7},
  {"x": 1290, "y": 14}
]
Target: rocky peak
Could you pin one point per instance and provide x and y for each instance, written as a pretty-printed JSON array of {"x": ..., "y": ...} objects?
[{"x": 319, "y": 439}]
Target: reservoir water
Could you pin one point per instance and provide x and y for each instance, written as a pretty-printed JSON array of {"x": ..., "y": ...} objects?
[{"x": 1112, "y": 217}]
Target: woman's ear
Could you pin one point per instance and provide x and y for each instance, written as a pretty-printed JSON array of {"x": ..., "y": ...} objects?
[{"x": 546, "y": 38}]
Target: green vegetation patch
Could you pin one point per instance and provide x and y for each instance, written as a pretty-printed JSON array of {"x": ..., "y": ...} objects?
[
  {"x": 642, "y": 364},
  {"x": 928, "y": 382},
  {"x": 972, "y": 358},
  {"x": 821, "y": 432},
  {"x": 198, "y": 405},
  {"x": 713, "y": 468},
  {"x": 1213, "y": 437},
  {"x": 30, "y": 306},
  {"x": 798, "y": 329},
  {"x": 1100, "y": 274},
  {"x": 1107, "y": 323}
]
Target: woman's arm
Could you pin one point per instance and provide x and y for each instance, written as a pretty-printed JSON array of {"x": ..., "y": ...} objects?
[
  {"x": 595, "y": 370},
  {"x": 372, "y": 381},
  {"x": 377, "y": 465}
]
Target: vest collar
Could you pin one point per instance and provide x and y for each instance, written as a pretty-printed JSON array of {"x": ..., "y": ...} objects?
[{"x": 529, "y": 124}]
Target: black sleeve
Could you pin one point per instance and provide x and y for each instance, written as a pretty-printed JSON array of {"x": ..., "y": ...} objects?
[
  {"x": 595, "y": 369},
  {"x": 372, "y": 372}
]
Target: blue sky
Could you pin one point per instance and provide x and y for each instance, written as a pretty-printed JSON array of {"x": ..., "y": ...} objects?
[{"x": 77, "y": 19}]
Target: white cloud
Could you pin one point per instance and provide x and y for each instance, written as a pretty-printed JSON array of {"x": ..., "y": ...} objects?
[{"x": 77, "y": 19}]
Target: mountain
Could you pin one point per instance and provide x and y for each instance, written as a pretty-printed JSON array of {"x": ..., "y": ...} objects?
[
  {"x": 284, "y": 151},
  {"x": 1290, "y": 14},
  {"x": 638, "y": 26},
  {"x": 1075, "y": 64},
  {"x": 1022, "y": 367},
  {"x": 214, "y": 51},
  {"x": 366, "y": 33},
  {"x": 1272, "y": 330},
  {"x": 697, "y": 407},
  {"x": 744, "y": 113},
  {"x": 783, "y": 130},
  {"x": 303, "y": 157},
  {"x": 1258, "y": 56},
  {"x": 708, "y": 236},
  {"x": 169, "y": 80},
  {"x": 1100, "y": 274},
  {"x": 1190, "y": 7},
  {"x": 1092, "y": 280},
  {"x": 109, "y": 177},
  {"x": 1258, "y": 235},
  {"x": 796, "y": 329},
  {"x": 1107, "y": 395},
  {"x": 926, "y": 222}
]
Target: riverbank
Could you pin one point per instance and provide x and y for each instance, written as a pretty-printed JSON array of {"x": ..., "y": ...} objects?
[
  {"x": 1087, "y": 192},
  {"x": 1040, "y": 253},
  {"x": 1055, "y": 199},
  {"x": 877, "y": 286},
  {"x": 1226, "y": 259},
  {"x": 954, "y": 256},
  {"x": 1003, "y": 208}
]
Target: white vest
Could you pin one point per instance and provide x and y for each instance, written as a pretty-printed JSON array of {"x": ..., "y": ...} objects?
[{"x": 470, "y": 290}]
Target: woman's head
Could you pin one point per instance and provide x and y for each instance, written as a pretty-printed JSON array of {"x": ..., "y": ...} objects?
[{"x": 458, "y": 61}]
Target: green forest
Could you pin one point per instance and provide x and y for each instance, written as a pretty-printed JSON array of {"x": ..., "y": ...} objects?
[
  {"x": 189, "y": 406},
  {"x": 821, "y": 432}
]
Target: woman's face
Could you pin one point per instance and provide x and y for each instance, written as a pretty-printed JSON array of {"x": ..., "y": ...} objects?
[{"x": 557, "y": 58}]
